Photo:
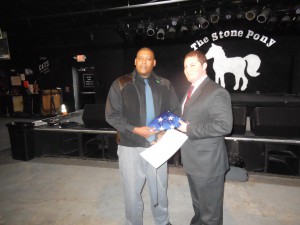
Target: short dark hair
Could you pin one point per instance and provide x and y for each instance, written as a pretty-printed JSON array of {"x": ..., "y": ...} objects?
[
  {"x": 199, "y": 55},
  {"x": 146, "y": 48}
]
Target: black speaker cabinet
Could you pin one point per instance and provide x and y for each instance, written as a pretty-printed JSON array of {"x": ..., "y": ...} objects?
[
  {"x": 239, "y": 120},
  {"x": 94, "y": 116},
  {"x": 112, "y": 146},
  {"x": 253, "y": 155},
  {"x": 276, "y": 121}
]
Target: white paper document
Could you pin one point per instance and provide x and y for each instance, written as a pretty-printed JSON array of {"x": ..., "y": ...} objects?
[
  {"x": 160, "y": 152},
  {"x": 39, "y": 123}
]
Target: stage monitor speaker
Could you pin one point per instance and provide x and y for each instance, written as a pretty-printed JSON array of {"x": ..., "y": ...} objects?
[
  {"x": 276, "y": 121},
  {"x": 280, "y": 166},
  {"x": 94, "y": 116},
  {"x": 253, "y": 155},
  {"x": 239, "y": 120}
]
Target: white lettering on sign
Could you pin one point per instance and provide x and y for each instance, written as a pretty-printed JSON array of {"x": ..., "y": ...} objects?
[
  {"x": 44, "y": 67},
  {"x": 199, "y": 43},
  {"x": 261, "y": 38},
  {"x": 234, "y": 33}
]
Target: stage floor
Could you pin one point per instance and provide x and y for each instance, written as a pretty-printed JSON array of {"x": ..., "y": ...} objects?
[{"x": 64, "y": 191}]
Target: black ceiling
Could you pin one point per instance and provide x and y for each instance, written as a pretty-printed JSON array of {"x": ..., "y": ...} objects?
[{"x": 61, "y": 23}]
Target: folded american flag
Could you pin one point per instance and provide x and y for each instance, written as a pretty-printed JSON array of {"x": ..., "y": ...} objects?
[{"x": 165, "y": 121}]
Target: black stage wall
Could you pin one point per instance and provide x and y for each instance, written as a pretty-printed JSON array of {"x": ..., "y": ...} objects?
[{"x": 277, "y": 70}]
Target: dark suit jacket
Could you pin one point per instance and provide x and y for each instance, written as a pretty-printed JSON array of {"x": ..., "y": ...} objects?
[{"x": 209, "y": 114}]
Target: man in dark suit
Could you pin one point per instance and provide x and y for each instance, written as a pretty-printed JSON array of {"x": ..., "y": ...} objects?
[{"x": 208, "y": 115}]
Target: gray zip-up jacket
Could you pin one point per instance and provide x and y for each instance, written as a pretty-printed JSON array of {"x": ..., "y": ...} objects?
[{"x": 126, "y": 105}]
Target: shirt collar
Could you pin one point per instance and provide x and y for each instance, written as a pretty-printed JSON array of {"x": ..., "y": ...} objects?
[
  {"x": 198, "y": 82},
  {"x": 140, "y": 78}
]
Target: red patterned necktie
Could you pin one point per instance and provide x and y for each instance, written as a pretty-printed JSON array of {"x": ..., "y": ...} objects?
[{"x": 189, "y": 93}]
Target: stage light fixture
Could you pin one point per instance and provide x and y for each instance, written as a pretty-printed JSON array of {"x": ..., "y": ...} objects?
[
  {"x": 264, "y": 15},
  {"x": 150, "y": 30},
  {"x": 171, "y": 32},
  {"x": 251, "y": 14},
  {"x": 240, "y": 15},
  {"x": 272, "y": 22},
  {"x": 194, "y": 28},
  {"x": 203, "y": 23},
  {"x": 140, "y": 29},
  {"x": 285, "y": 22},
  {"x": 184, "y": 29},
  {"x": 286, "y": 19},
  {"x": 228, "y": 15},
  {"x": 297, "y": 9},
  {"x": 214, "y": 18},
  {"x": 297, "y": 22},
  {"x": 174, "y": 21},
  {"x": 160, "y": 34}
]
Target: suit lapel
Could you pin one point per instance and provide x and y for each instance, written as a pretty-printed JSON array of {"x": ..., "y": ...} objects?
[{"x": 195, "y": 95}]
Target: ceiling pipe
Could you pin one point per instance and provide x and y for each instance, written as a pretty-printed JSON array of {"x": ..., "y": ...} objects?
[
  {"x": 146, "y": 5},
  {"x": 112, "y": 9}
]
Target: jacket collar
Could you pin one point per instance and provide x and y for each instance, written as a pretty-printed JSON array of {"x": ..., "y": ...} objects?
[
  {"x": 153, "y": 78},
  {"x": 197, "y": 93}
]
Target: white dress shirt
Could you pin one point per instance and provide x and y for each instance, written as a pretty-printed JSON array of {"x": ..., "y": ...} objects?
[{"x": 196, "y": 85}]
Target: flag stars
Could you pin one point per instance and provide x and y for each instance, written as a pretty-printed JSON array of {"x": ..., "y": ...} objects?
[
  {"x": 165, "y": 121},
  {"x": 170, "y": 118}
]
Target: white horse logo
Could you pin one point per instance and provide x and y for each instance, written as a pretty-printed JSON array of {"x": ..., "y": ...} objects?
[{"x": 234, "y": 65}]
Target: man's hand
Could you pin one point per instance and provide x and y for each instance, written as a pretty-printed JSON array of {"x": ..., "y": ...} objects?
[
  {"x": 159, "y": 135},
  {"x": 183, "y": 126},
  {"x": 144, "y": 131}
]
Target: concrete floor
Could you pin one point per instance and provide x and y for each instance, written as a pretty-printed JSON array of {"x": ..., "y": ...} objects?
[{"x": 64, "y": 191}]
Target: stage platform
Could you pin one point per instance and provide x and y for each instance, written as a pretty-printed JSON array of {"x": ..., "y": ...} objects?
[
  {"x": 64, "y": 191},
  {"x": 70, "y": 137},
  {"x": 71, "y": 190}
]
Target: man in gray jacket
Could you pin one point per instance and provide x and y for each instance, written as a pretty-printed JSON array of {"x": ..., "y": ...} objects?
[
  {"x": 127, "y": 110},
  {"x": 207, "y": 110}
]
